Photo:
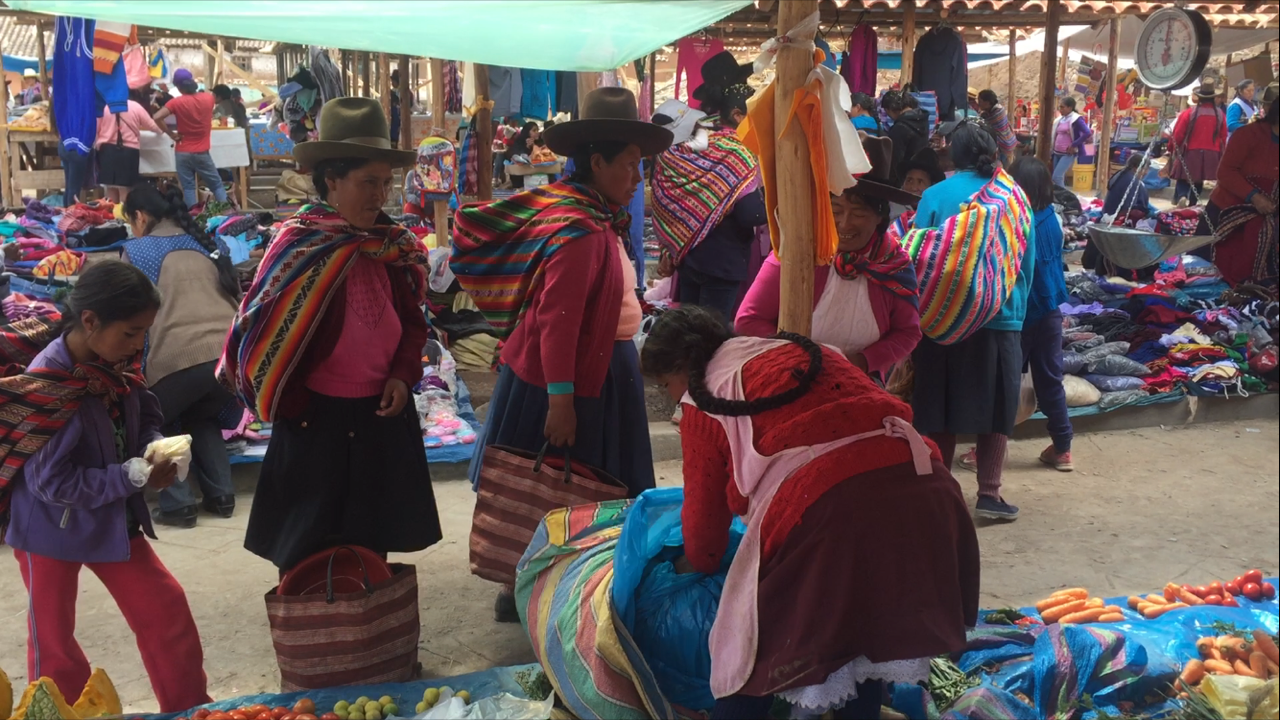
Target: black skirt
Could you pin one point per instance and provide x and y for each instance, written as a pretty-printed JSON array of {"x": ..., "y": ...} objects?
[
  {"x": 341, "y": 475},
  {"x": 970, "y": 388},
  {"x": 118, "y": 165}
]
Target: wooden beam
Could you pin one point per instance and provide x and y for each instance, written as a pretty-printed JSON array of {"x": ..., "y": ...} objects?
[
  {"x": 1048, "y": 64},
  {"x": 344, "y": 58},
  {"x": 795, "y": 186},
  {"x": 406, "y": 105},
  {"x": 1011, "y": 98},
  {"x": 4, "y": 99},
  {"x": 1103, "y": 174},
  {"x": 1062, "y": 63},
  {"x": 483, "y": 121},
  {"x": 41, "y": 53},
  {"x": 266, "y": 90},
  {"x": 384, "y": 82},
  {"x": 210, "y": 67},
  {"x": 438, "y": 128},
  {"x": 653, "y": 83},
  {"x": 364, "y": 74},
  {"x": 908, "y": 42}
]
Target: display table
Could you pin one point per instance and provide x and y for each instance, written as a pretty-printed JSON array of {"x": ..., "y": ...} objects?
[
  {"x": 268, "y": 142},
  {"x": 28, "y": 161},
  {"x": 227, "y": 147}
]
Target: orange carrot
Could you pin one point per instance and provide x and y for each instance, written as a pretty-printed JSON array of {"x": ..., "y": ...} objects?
[
  {"x": 1273, "y": 668},
  {"x": 1215, "y": 654},
  {"x": 1135, "y": 601},
  {"x": 1242, "y": 668},
  {"x": 1266, "y": 646},
  {"x": 1054, "y": 614},
  {"x": 1193, "y": 673},
  {"x": 1258, "y": 664},
  {"x": 1157, "y": 599},
  {"x": 1073, "y": 593},
  {"x": 1112, "y": 617},
  {"x": 1219, "y": 667},
  {"x": 1234, "y": 647},
  {"x": 1094, "y": 603},
  {"x": 1084, "y": 616},
  {"x": 1204, "y": 645},
  {"x": 1184, "y": 596},
  {"x": 1053, "y": 602},
  {"x": 1154, "y": 612}
]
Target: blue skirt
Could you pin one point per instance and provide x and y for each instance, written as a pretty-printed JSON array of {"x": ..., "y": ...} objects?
[{"x": 613, "y": 429}]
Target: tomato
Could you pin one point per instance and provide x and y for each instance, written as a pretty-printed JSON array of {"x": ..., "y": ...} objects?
[
  {"x": 1229, "y": 601},
  {"x": 256, "y": 710},
  {"x": 279, "y": 712},
  {"x": 1212, "y": 599},
  {"x": 238, "y": 715},
  {"x": 201, "y": 714},
  {"x": 1253, "y": 591},
  {"x": 263, "y": 716},
  {"x": 329, "y": 716},
  {"x": 290, "y": 716},
  {"x": 1239, "y": 581},
  {"x": 218, "y": 715},
  {"x": 1269, "y": 591},
  {"x": 1215, "y": 588},
  {"x": 305, "y": 706},
  {"x": 307, "y": 716},
  {"x": 1202, "y": 592},
  {"x": 1232, "y": 587},
  {"x": 1253, "y": 576}
]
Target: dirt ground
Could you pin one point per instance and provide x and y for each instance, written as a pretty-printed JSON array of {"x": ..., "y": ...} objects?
[{"x": 1146, "y": 507}]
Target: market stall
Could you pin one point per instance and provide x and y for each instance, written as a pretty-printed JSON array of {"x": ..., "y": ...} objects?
[{"x": 227, "y": 147}]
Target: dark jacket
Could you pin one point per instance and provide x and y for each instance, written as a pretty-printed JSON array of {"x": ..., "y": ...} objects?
[
  {"x": 910, "y": 135},
  {"x": 69, "y": 502},
  {"x": 725, "y": 252},
  {"x": 942, "y": 65},
  {"x": 1118, "y": 190}
]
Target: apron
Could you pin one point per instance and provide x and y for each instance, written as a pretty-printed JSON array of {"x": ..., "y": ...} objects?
[
  {"x": 734, "y": 635},
  {"x": 844, "y": 318}
]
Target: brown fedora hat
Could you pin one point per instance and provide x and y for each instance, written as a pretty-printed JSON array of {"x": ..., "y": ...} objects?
[
  {"x": 1207, "y": 90},
  {"x": 352, "y": 127},
  {"x": 608, "y": 115},
  {"x": 878, "y": 182}
]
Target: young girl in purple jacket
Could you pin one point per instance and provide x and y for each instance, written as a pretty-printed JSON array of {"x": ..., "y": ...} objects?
[{"x": 72, "y": 435}]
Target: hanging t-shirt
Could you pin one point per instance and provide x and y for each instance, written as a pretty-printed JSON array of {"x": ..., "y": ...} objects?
[
  {"x": 194, "y": 114},
  {"x": 691, "y": 53}
]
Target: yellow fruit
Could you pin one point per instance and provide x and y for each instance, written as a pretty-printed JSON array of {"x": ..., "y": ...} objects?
[
  {"x": 373, "y": 706},
  {"x": 361, "y": 702},
  {"x": 6, "y": 695},
  {"x": 431, "y": 697},
  {"x": 341, "y": 706},
  {"x": 466, "y": 696},
  {"x": 386, "y": 700},
  {"x": 42, "y": 701},
  {"x": 373, "y": 715},
  {"x": 390, "y": 709},
  {"x": 99, "y": 698},
  {"x": 421, "y": 708}
]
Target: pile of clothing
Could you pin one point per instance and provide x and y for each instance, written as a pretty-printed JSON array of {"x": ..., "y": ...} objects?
[{"x": 1183, "y": 333}]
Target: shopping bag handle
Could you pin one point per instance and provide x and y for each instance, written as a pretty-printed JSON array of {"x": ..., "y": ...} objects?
[
  {"x": 368, "y": 586},
  {"x": 568, "y": 464}
]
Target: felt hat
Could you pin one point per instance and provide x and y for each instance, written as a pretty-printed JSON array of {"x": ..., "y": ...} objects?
[
  {"x": 608, "y": 115},
  {"x": 30, "y": 73},
  {"x": 878, "y": 182},
  {"x": 352, "y": 127},
  {"x": 720, "y": 72},
  {"x": 926, "y": 160},
  {"x": 1207, "y": 90},
  {"x": 679, "y": 118}
]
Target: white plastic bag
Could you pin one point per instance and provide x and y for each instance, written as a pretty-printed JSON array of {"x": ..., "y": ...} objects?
[
  {"x": 176, "y": 450},
  {"x": 661, "y": 292},
  {"x": 498, "y": 707}
]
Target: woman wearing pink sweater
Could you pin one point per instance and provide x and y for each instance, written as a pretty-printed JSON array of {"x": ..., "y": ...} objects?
[
  {"x": 119, "y": 146},
  {"x": 865, "y": 301}
]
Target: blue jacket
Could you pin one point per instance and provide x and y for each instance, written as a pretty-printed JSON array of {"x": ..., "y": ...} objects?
[
  {"x": 69, "y": 500},
  {"x": 940, "y": 202},
  {"x": 1238, "y": 115},
  {"x": 1118, "y": 189},
  {"x": 1048, "y": 287}
]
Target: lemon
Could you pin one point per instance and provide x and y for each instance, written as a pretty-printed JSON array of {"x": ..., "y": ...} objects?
[
  {"x": 373, "y": 715},
  {"x": 372, "y": 706},
  {"x": 431, "y": 697},
  {"x": 466, "y": 696},
  {"x": 361, "y": 702},
  {"x": 342, "y": 714},
  {"x": 341, "y": 707},
  {"x": 421, "y": 708},
  {"x": 356, "y": 715},
  {"x": 386, "y": 700}
]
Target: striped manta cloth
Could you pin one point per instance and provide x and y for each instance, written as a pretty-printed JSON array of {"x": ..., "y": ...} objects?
[
  {"x": 278, "y": 316},
  {"x": 694, "y": 190},
  {"x": 968, "y": 267}
]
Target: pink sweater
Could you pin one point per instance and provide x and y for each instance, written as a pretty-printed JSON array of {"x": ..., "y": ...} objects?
[
  {"x": 133, "y": 120},
  {"x": 361, "y": 361},
  {"x": 898, "y": 320}
]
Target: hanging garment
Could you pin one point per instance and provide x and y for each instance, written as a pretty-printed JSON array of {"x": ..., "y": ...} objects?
[
  {"x": 942, "y": 66},
  {"x": 159, "y": 64},
  {"x": 538, "y": 94},
  {"x": 327, "y": 75},
  {"x": 73, "y": 93},
  {"x": 829, "y": 57},
  {"x": 691, "y": 52},
  {"x": 112, "y": 90},
  {"x": 860, "y": 62},
  {"x": 566, "y": 93},
  {"x": 452, "y": 88},
  {"x": 505, "y": 90},
  {"x": 109, "y": 39}
]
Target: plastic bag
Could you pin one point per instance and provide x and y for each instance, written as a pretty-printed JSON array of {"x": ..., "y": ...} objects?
[
  {"x": 1086, "y": 345},
  {"x": 176, "y": 450},
  {"x": 1116, "y": 383},
  {"x": 1106, "y": 350},
  {"x": 1236, "y": 697},
  {"x": 1118, "y": 365},
  {"x": 1113, "y": 400},
  {"x": 1026, "y": 399},
  {"x": 1072, "y": 363},
  {"x": 661, "y": 292},
  {"x": 498, "y": 707},
  {"x": 1080, "y": 393}
]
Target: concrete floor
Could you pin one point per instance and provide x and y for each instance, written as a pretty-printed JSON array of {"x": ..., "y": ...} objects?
[{"x": 1147, "y": 506}]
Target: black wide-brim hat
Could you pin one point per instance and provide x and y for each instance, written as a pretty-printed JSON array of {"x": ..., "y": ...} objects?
[
  {"x": 719, "y": 72},
  {"x": 877, "y": 182},
  {"x": 926, "y": 160},
  {"x": 608, "y": 115}
]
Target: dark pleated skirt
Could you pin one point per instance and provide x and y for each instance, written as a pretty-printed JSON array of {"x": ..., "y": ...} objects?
[
  {"x": 613, "y": 429},
  {"x": 970, "y": 388},
  {"x": 341, "y": 475}
]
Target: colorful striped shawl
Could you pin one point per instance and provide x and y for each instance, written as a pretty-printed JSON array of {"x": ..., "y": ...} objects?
[
  {"x": 278, "y": 316},
  {"x": 968, "y": 267},
  {"x": 693, "y": 191},
  {"x": 884, "y": 262},
  {"x": 501, "y": 247}
]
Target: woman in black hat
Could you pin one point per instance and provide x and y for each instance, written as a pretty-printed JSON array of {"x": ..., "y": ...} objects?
[
  {"x": 1199, "y": 138},
  {"x": 865, "y": 302},
  {"x": 550, "y": 271}
]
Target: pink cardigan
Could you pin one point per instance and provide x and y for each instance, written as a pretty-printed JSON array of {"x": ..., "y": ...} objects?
[
  {"x": 898, "y": 320},
  {"x": 135, "y": 119}
]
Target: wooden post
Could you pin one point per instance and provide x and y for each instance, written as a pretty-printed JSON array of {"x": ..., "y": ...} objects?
[
  {"x": 483, "y": 121},
  {"x": 211, "y": 67},
  {"x": 4, "y": 99},
  {"x": 795, "y": 186},
  {"x": 438, "y": 125},
  {"x": 1103, "y": 174},
  {"x": 1062, "y": 63},
  {"x": 908, "y": 41},
  {"x": 653, "y": 83},
  {"x": 343, "y": 58},
  {"x": 364, "y": 75},
  {"x": 1048, "y": 64},
  {"x": 1011, "y": 99},
  {"x": 406, "y": 105},
  {"x": 218, "y": 62},
  {"x": 384, "y": 82},
  {"x": 41, "y": 68}
]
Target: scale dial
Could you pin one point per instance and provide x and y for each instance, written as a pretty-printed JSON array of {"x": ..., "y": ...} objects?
[{"x": 1173, "y": 48}]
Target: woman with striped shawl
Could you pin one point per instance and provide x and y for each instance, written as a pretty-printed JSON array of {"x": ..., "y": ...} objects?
[{"x": 549, "y": 270}]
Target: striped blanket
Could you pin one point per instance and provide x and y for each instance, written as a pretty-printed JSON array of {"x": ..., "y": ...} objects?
[
  {"x": 693, "y": 190},
  {"x": 278, "y": 316},
  {"x": 500, "y": 248},
  {"x": 564, "y": 591},
  {"x": 968, "y": 267}
]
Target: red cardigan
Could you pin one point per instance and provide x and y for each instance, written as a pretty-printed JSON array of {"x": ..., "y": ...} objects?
[
  {"x": 842, "y": 402},
  {"x": 1250, "y": 164},
  {"x": 567, "y": 334},
  {"x": 406, "y": 365}
]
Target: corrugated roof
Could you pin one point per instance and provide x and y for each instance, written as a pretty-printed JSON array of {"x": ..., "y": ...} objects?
[
  {"x": 1242, "y": 13},
  {"x": 20, "y": 40}
]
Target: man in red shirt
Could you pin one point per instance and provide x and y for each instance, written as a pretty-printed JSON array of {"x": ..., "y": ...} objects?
[{"x": 193, "y": 110}]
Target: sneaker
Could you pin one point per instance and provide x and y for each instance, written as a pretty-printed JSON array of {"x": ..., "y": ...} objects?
[
  {"x": 969, "y": 461},
  {"x": 223, "y": 505},
  {"x": 1061, "y": 463},
  {"x": 504, "y": 608},
  {"x": 990, "y": 508},
  {"x": 183, "y": 518}
]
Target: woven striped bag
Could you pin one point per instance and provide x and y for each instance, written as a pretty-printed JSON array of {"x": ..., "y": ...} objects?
[{"x": 968, "y": 267}]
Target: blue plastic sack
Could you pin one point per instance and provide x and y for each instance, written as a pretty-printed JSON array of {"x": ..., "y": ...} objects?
[
  {"x": 1115, "y": 383},
  {"x": 669, "y": 615}
]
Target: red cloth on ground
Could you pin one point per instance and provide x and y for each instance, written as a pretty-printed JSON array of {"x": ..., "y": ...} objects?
[{"x": 151, "y": 601}]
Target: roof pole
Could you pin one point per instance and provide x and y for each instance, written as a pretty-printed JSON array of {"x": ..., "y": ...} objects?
[
  {"x": 1109, "y": 107},
  {"x": 483, "y": 122},
  {"x": 1011, "y": 99},
  {"x": 1048, "y": 66},
  {"x": 364, "y": 75},
  {"x": 438, "y": 127},
  {"x": 908, "y": 42},
  {"x": 406, "y": 104},
  {"x": 795, "y": 178},
  {"x": 41, "y": 68},
  {"x": 384, "y": 83}
]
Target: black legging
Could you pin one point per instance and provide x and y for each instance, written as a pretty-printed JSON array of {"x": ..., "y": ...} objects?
[{"x": 748, "y": 707}]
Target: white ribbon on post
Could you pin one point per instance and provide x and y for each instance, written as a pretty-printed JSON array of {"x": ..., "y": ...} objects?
[{"x": 800, "y": 36}]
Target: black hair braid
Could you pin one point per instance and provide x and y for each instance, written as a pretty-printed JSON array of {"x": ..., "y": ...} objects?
[
  {"x": 713, "y": 405},
  {"x": 228, "y": 280}
]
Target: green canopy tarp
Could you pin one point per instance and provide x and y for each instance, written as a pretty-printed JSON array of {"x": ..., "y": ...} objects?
[{"x": 581, "y": 35}]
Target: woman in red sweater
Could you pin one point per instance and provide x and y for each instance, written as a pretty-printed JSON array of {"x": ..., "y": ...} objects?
[
  {"x": 549, "y": 270},
  {"x": 1243, "y": 205},
  {"x": 850, "y": 515},
  {"x": 1199, "y": 137}
]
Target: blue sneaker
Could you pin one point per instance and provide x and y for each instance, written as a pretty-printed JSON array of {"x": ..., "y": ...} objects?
[{"x": 990, "y": 508}]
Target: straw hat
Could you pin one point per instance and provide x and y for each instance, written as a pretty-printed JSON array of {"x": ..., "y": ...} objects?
[
  {"x": 608, "y": 115},
  {"x": 31, "y": 73},
  {"x": 679, "y": 118},
  {"x": 877, "y": 182},
  {"x": 352, "y": 127}
]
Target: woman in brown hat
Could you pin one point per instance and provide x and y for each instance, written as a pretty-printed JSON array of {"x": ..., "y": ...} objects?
[
  {"x": 1199, "y": 137},
  {"x": 327, "y": 345},
  {"x": 865, "y": 302},
  {"x": 551, "y": 273}
]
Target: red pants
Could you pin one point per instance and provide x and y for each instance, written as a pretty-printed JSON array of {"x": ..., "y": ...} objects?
[{"x": 153, "y": 604}]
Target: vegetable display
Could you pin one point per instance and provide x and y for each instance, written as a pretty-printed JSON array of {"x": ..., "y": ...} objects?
[
  {"x": 43, "y": 701},
  {"x": 1252, "y": 657},
  {"x": 1075, "y": 607}
]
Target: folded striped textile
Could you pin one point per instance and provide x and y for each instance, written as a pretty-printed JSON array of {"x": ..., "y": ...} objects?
[
  {"x": 693, "y": 190},
  {"x": 109, "y": 39},
  {"x": 968, "y": 267}
]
